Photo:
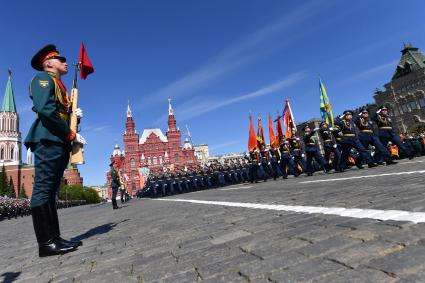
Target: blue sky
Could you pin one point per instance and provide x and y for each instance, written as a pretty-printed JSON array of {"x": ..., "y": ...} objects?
[{"x": 218, "y": 60}]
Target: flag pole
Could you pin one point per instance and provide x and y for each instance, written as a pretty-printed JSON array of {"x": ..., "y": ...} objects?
[{"x": 292, "y": 116}]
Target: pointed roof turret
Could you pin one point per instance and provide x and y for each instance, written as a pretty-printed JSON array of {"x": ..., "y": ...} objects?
[
  {"x": 129, "y": 114},
  {"x": 411, "y": 60},
  {"x": 188, "y": 135},
  {"x": 170, "y": 109},
  {"x": 187, "y": 144},
  {"x": 9, "y": 100},
  {"x": 117, "y": 150}
]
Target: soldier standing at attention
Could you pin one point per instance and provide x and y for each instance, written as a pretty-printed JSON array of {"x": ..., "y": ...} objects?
[
  {"x": 50, "y": 138},
  {"x": 115, "y": 184}
]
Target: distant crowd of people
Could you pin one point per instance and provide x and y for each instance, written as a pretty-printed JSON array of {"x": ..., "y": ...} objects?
[{"x": 352, "y": 140}]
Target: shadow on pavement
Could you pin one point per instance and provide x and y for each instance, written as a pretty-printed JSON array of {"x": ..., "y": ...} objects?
[
  {"x": 102, "y": 229},
  {"x": 10, "y": 276}
]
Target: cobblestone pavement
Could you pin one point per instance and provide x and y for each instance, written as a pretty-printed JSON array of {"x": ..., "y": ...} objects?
[{"x": 150, "y": 240}]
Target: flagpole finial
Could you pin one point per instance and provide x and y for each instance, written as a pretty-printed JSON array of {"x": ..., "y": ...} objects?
[{"x": 9, "y": 71}]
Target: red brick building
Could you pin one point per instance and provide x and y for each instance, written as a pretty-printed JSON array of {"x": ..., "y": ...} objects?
[
  {"x": 21, "y": 173},
  {"x": 152, "y": 150}
]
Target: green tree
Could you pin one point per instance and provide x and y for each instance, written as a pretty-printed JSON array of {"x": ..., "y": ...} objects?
[
  {"x": 11, "y": 189},
  {"x": 22, "y": 193},
  {"x": 91, "y": 195},
  {"x": 76, "y": 192},
  {"x": 3, "y": 182}
]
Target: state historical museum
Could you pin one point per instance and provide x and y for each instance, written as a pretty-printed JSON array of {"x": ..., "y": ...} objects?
[{"x": 152, "y": 150}]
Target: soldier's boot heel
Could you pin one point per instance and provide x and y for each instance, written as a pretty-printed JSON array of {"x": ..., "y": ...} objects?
[
  {"x": 54, "y": 247},
  {"x": 45, "y": 231},
  {"x": 55, "y": 221}
]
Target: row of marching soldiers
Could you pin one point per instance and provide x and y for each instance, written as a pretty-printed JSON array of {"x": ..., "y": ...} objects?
[
  {"x": 212, "y": 176},
  {"x": 354, "y": 139}
]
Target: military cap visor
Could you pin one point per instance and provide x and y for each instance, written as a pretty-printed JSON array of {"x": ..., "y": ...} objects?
[
  {"x": 348, "y": 112},
  {"x": 46, "y": 53}
]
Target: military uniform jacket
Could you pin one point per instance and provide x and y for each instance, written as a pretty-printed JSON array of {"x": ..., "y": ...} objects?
[
  {"x": 115, "y": 179},
  {"x": 296, "y": 148},
  {"x": 52, "y": 106},
  {"x": 326, "y": 135},
  {"x": 310, "y": 142},
  {"x": 348, "y": 129},
  {"x": 385, "y": 125},
  {"x": 365, "y": 125}
]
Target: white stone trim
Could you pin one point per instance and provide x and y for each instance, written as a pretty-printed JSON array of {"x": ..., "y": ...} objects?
[{"x": 148, "y": 132}]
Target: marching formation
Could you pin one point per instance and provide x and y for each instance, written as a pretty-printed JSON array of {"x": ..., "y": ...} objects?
[{"x": 352, "y": 139}]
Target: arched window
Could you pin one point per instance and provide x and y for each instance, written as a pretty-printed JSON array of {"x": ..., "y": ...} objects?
[
  {"x": 12, "y": 151},
  {"x": 132, "y": 163},
  {"x": 160, "y": 160},
  {"x": 149, "y": 161},
  {"x": 176, "y": 157},
  {"x": 2, "y": 153},
  {"x": 154, "y": 160}
]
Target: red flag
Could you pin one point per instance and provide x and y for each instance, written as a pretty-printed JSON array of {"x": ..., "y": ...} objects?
[
  {"x": 252, "y": 141},
  {"x": 86, "y": 68},
  {"x": 271, "y": 133},
  {"x": 260, "y": 134},
  {"x": 279, "y": 132},
  {"x": 288, "y": 121}
]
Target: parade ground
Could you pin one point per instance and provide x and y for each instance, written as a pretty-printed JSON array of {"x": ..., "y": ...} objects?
[{"x": 360, "y": 226}]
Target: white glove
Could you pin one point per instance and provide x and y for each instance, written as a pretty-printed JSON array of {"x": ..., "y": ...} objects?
[
  {"x": 303, "y": 155},
  {"x": 316, "y": 129},
  {"x": 335, "y": 145},
  {"x": 79, "y": 113},
  {"x": 331, "y": 129},
  {"x": 79, "y": 139}
]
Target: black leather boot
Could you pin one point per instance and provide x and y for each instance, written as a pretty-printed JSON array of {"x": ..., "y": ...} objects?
[
  {"x": 55, "y": 221},
  {"x": 114, "y": 204},
  {"x": 45, "y": 232}
]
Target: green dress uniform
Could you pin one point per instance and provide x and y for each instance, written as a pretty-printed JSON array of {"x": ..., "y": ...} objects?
[
  {"x": 115, "y": 184},
  {"x": 49, "y": 138}
]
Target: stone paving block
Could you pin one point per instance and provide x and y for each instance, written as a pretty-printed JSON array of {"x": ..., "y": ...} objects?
[
  {"x": 407, "y": 261},
  {"x": 363, "y": 252},
  {"x": 229, "y": 237},
  {"x": 327, "y": 246},
  {"x": 308, "y": 271},
  {"x": 358, "y": 276},
  {"x": 227, "y": 265},
  {"x": 264, "y": 268}
]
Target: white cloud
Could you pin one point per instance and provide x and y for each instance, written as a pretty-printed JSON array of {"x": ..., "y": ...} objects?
[
  {"x": 244, "y": 51},
  {"x": 198, "y": 106},
  {"x": 370, "y": 73}
]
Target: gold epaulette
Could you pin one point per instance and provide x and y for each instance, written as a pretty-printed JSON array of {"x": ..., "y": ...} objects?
[{"x": 63, "y": 116}]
